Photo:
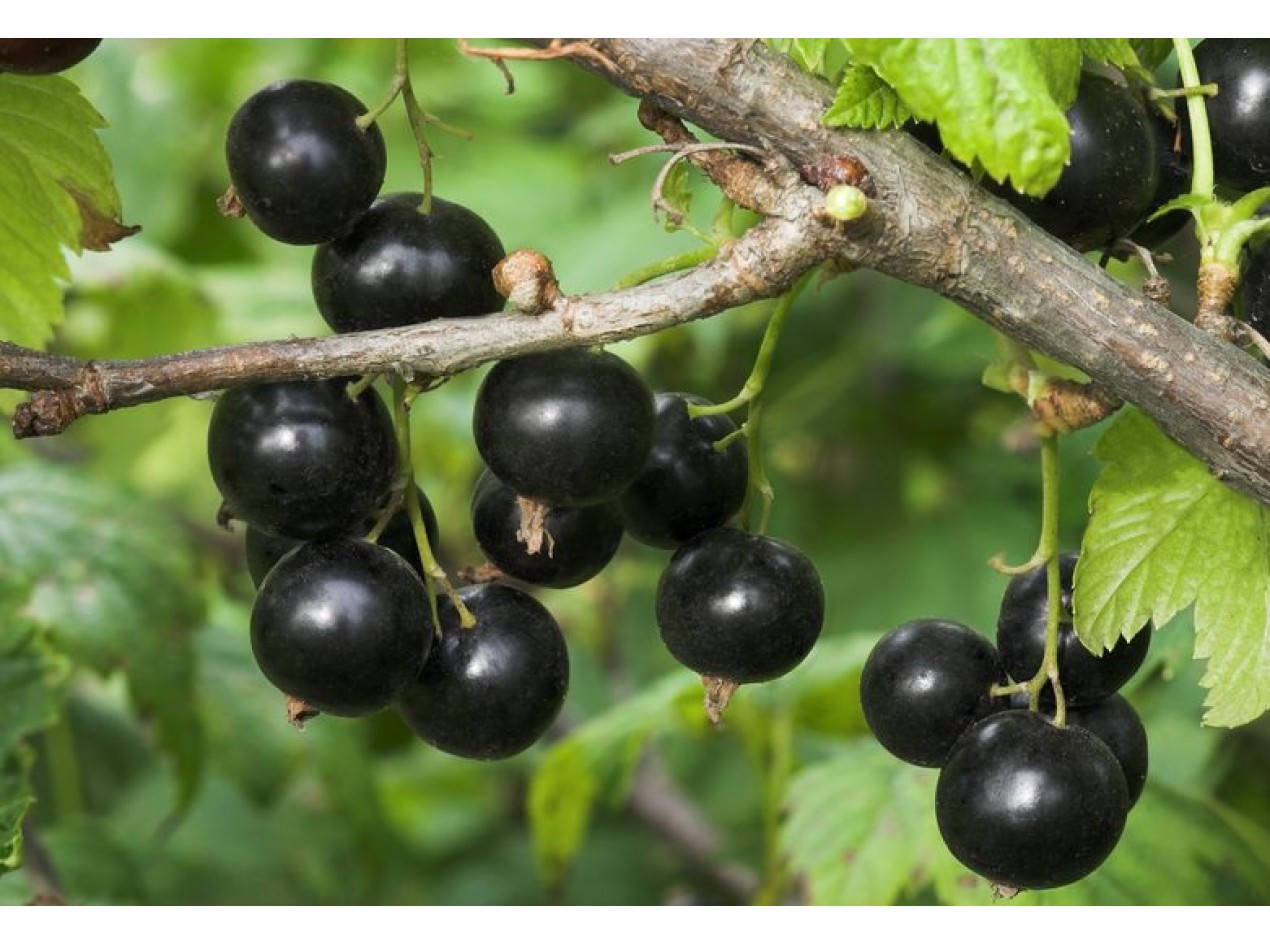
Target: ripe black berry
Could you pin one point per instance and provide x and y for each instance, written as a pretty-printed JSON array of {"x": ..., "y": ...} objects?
[
  {"x": 493, "y": 690},
  {"x": 1175, "y": 180},
  {"x": 686, "y": 485},
  {"x": 1086, "y": 678},
  {"x": 43, "y": 56},
  {"x": 924, "y": 684},
  {"x": 1117, "y": 725},
  {"x": 301, "y": 459},
  {"x": 397, "y": 266},
  {"x": 301, "y": 167},
  {"x": 342, "y": 625},
  {"x": 1113, "y": 174},
  {"x": 569, "y": 427},
  {"x": 1030, "y": 805},
  {"x": 1254, "y": 287},
  {"x": 738, "y": 606},
  {"x": 264, "y": 549},
  {"x": 567, "y": 547},
  {"x": 1239, "y": 114}
]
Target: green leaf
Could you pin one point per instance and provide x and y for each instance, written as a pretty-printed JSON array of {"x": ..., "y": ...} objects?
[
  {"x": 861, "y": 830},
  {"x": 115, "y": 584},
  {"x": 32, "y": 687},
  {"x": 865, "y": 101},
  {"x": 998, "y": 101},
  {"x": 677, "y": 192},
  {"x": 818, "y": 56},
  {"x": 56, "y": 190},
  {"x": 568, "y": 782},
  {"x": 1151, "y": 52},
  {"x": 1163, "y": 534},
  {"x": 1187, "y": 201},
  {"x": 1114, "y": 52}
]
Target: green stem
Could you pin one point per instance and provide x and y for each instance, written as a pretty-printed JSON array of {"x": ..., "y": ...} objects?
[
  {"x": 68, "y": 796},
  {"x": 1047, "y": 554},
  {"x": 754, "y": 384},
  {"x": 759, "y": 483},
  {"x": 685, "y": 260},
  {"x": 432, "y": 571},
  {"x": 361, "y": 385},
  {"x": 1201, "y": 142},
  {"x": 400, "y": 78}
]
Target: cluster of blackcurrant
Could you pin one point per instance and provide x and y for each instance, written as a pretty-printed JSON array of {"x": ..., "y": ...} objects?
[
  {"x": 1023, "y": 799},
  {"x": 578, "y": 452},
  {"x": 43, "y": 56}
]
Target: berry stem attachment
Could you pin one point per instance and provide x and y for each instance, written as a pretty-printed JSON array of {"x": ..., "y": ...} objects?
[{"x": 431, "y": 569}]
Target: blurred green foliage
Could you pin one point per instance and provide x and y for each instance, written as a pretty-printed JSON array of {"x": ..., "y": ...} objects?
[{"x": 162, "y": 767}]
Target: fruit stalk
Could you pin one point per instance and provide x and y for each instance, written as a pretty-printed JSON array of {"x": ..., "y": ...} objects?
[
  {"x": 1054, "y": 590},
  {"x": 432, "y": 571},
  {"x": 1201, "y": 142}
]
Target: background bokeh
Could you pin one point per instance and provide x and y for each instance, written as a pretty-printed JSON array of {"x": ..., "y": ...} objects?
[{"x": 174, "y": 778}]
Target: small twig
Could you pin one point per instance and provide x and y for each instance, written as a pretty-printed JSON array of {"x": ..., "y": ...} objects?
[
  {"x": 678, "y": 152},
  {"x": 556, "y": 49}
]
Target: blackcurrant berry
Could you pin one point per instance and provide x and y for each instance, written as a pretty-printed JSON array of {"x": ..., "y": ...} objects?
[
  {"x": 492, "y": 690},
  {"x": 568, "y": 546},
  {"x": 343, "y": 625},
  {"x": 1113, "y": 173},
  {"x": 1254, "y": 287},
  {"x": 301, "y": 167},
  {"x": 686, "y": 485},
  {"x": 398, "y": 266},
  {"x": 927, "y": 132},
  {"x": 43, "y": 56},
  {"x": 1118, "y": 726},
  {"x": 1175, "y": 180},
  {"x": 570, "y": 427},
  {"x": 924, "y": 684},
  {"x": 1239, "y": 114},
  {"x": 1027, "y": 804},
  {"x": 739, "y": 606},
  {"x": 301, "y": 459},
  {"x": 1085, "y": 677},
  {"x": 264, "y": 549}
]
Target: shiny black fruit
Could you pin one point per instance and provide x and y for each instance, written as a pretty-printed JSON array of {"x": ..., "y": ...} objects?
[
  {"x": 301, "y": 459},
  {"x": 1175, "y": 180},
  {"x": 1239, "y": 114},
  {"x": 397, "y": 266},
  {"x": 686, "y": 485},
  {"x": 43, "y": 56},
  {"x": 924, "y": 684},
  {"x": 739, "y": 606},
  {"x": 1086, "y": 678},
  {"x": 1118, "y": 726},
  {"x": 1113, "y": 174},
  {"x": 342, "y": 625},
  {"x": 493, "y": 690},
  {"x": 569, "y": 427},
  {"x": 572, "y": 544},
  {"x": 301, "y": 167},
  {"x": 1026, "y": 804},
  {"x": 1254, "y": 287},
  {"x": 264, "y": 549}
]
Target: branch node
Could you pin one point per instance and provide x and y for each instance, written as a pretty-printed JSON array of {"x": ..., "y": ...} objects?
[
  {"x": 526, "y": 279},
  {"x": 1066, "y": 405}
]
